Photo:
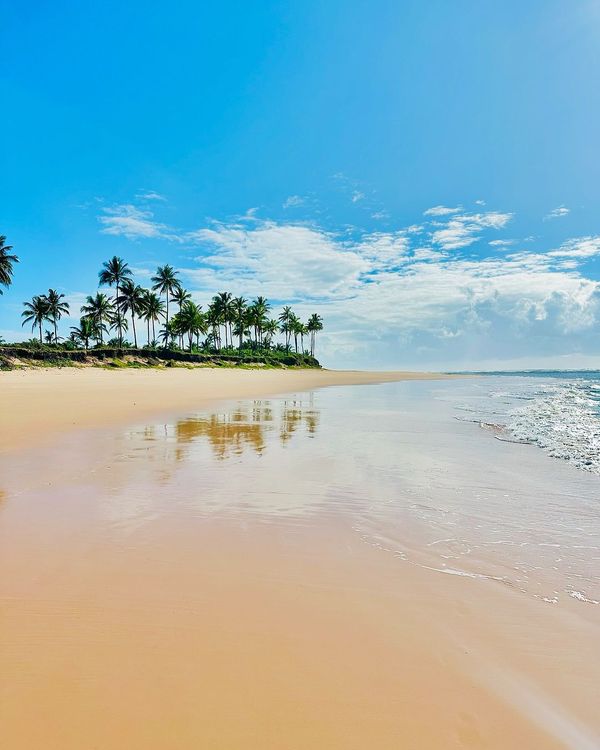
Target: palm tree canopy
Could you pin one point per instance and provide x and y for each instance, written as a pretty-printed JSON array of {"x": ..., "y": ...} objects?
[
  {"x": 131, "y": 297},
  {"x": 56, "y": 307},
  {"x": 36, "y": 311},
  {"x": 98, "y": 307},
  {"x": 180, "y": 295},
  {"x": 315, "y": 323},
  {"x": 114, "y": 271},
  {"x": 7, "y": 259},
  {"x": 165, "y": 281}
]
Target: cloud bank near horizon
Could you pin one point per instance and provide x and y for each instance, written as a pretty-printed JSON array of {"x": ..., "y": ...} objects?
[{"x": 414, "y": 295}]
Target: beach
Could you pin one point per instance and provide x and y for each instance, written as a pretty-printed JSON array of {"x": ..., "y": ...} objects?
[{"x": 253, "y": 560}]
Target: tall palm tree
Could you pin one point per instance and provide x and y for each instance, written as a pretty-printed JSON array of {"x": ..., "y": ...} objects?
[
  {"x": 179, "y": 296},
  {"x": 131, "y": 301},
  {"x": 239, "y": 306},
  {"x": 99, "y": 309},
  {"x": 314, "y": 325},
  {"x": 165, "y": 281},
  {"x": 36, "y": 312},
  {"x": 116, "y": 322},
  {"x": 153, "y": 309},
  {"x": 271, "y": 328},
  {"x": 7, "y": 259},
  {"x": 56, "y": 309},
  {"x": 84, "y": 332},
  {"x": 285, "y": 318},
  {"x": 295, "y": 326},
  {"x": 302, "y": 331},
  {"x": 213, "y": 318},
  {"x": 223, "y": 310},
  {"x": 115, "y": 271},
  {"x": 191, "y": 320}
]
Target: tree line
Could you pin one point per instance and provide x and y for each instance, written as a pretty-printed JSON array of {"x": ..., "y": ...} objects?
[{"x": 166, "y": 311}]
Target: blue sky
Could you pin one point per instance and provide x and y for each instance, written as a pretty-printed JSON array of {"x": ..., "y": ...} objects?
[{"x": 423, "y": 174}]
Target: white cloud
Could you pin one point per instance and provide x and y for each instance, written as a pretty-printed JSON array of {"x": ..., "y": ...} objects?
[
  {"x": 442, "y": 211},
  {"x": 357, "y": 196},
  {"x": 464, "y": 230},
  {"x": 132, "y": 222},
  {"x": 150, "y": 195},
  {"x": 293, "y": 201},
  {"x": 379, "y": 215},
  {"x": 385, "y": 300},
  {"x": 501, "y": 243},
  {"x": 580, "y": 247},
  {"x": 556, "y": 213}
]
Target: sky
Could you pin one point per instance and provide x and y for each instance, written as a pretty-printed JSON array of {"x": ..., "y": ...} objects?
[{"x": 424, "y": 174}]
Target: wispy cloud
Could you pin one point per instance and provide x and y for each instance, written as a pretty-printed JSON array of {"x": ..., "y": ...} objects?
[
  {"x": 442, "y": 211},
  {"x": 357, "y": 196},
  {"x": 130, "y": 221},
  {"x": 557, "y": 213},
  {"x": 293, "y": 201},
  {"x": 465, "y": 229},
  {"x": 150, "y": 195},
  {"x": 579, "y": 247}
]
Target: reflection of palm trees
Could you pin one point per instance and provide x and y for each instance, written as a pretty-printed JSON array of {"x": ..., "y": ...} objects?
[
  {"x": 226, "y": 433},
  {"x": 231, "y": 433}
]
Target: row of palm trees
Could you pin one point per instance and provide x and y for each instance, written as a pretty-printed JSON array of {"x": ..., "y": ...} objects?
[{"x": 228, "y": 320}]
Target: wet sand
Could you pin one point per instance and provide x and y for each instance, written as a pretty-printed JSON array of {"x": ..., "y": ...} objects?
[
  {"x": 231, "y": 578},
  {"x": 38, "y": 403}
]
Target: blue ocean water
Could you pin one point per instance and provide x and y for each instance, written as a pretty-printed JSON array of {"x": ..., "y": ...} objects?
[{"x": 559, "y": 411}]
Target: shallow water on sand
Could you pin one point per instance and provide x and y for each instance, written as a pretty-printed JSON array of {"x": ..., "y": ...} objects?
[{"x": 221, "y": 569}]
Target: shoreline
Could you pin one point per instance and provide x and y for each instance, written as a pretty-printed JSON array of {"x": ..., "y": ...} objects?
[{"x": 39, "y": 403}]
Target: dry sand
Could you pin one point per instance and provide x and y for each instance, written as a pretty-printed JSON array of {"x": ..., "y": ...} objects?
[{"x": 38, "y": 403}]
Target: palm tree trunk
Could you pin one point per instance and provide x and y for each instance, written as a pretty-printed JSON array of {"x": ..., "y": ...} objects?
[
  {"x": 41, "y": 340},
  {"x": 55, "y": 331},
  {"x": 167, "y": 307},
  {"x": 133, "y": 326}
]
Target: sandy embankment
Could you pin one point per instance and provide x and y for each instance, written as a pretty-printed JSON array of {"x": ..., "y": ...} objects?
[{"x": 35, "y": 404}]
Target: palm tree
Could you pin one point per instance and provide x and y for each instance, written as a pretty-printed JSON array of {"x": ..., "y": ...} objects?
[
  {"x": 153, "y": 309},
  {"x": 84, "y": 332},
  {"x": 179, "y": 296},
  {"x": 314, "y": 325},
  {"x": 165, "y": 282},
  {"x": 295, "y": 326},
  {"x": 285, "y": 318},
  {"x": 191, "y": 320},
  {"x": 302, "y": 331},
  {"x": 168, "y": 334},
  {"x": 116, "y": 322},
  {"x": 131, "y": 301},
  {"x": 49, "y": 337},
  {"x": 99, "y": 310},
  {"x": 271, "y": 328},
  {"x": 36, "y": 312},
  {"x": 6, "y": 263},
  {"x": 213, "y": 319},
  {"x": 238, "y": 306},
  {"x": 115, "y": 271},
  {"x": 56, "y": 309},
  {"x": 223, "y": 311}
]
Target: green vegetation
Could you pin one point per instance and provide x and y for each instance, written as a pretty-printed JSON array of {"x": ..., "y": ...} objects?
[{"x": 232, "y": 331}]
